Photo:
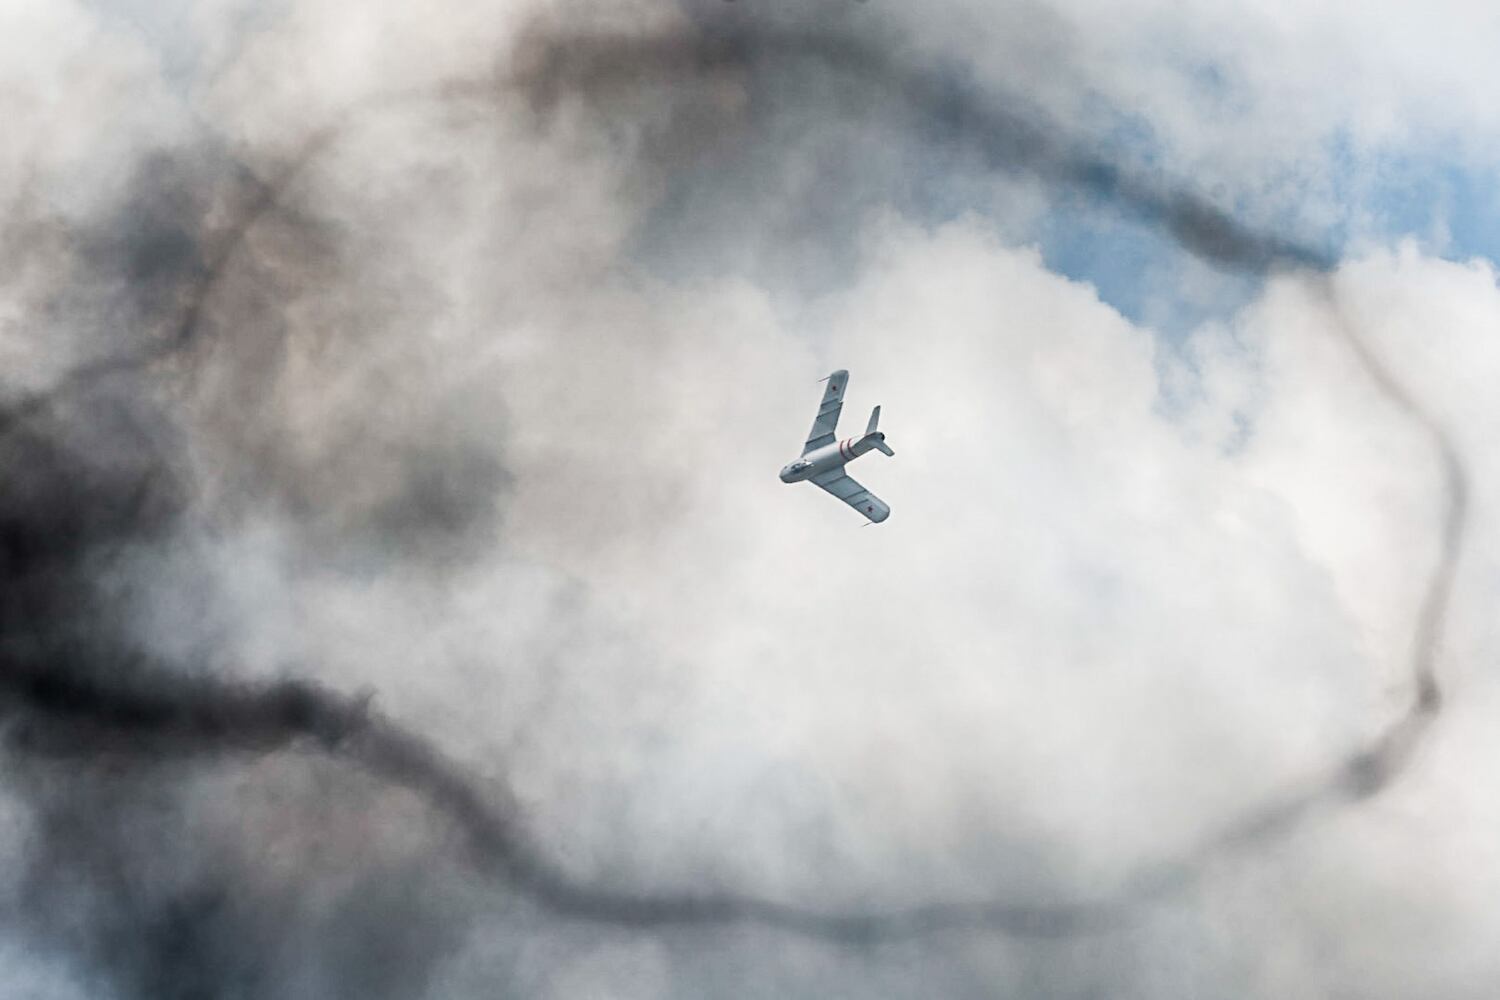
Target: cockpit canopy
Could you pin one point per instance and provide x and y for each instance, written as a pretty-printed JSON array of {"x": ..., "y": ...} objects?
[{"x": 789, "y": 473}]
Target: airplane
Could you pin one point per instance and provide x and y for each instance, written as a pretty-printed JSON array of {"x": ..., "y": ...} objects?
[{"x": 823, "y": 458}]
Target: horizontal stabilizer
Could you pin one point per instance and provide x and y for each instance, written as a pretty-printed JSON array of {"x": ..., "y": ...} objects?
[{"x": 874, "y": 421}]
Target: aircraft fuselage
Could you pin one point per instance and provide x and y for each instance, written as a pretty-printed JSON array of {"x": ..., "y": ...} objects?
[{"x": 829, "y": 457}]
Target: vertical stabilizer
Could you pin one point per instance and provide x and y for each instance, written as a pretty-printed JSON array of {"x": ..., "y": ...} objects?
[{"x": 874, "y": 437}]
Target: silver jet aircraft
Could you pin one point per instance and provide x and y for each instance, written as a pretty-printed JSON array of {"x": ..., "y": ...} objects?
[{"x": 823, "y": 458}]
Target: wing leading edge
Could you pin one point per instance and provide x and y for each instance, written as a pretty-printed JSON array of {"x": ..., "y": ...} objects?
[
  {"x": 828, "y": 412},
  {"x": 843, "y": 486}
]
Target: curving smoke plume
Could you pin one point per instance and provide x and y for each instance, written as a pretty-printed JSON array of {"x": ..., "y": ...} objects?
[{"x": 102, "y": 467}]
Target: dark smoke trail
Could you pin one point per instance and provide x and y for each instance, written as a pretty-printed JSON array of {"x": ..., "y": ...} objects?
[
  {"x": 160, "y": 717},
  {"x": 1008, "y": 134},
  {"x": 64, "y": 695}
]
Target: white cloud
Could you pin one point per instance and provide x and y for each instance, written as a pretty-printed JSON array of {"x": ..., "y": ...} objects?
[
  {"x": 1127, "y": 592},
  {"x": 1262, "y": 80}
]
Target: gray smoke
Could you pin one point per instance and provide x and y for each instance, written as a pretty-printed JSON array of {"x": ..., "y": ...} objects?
[{"x": 181, "y": 305}]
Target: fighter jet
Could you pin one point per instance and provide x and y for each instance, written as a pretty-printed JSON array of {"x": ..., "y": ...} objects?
[{"x": 823, "y": 458}]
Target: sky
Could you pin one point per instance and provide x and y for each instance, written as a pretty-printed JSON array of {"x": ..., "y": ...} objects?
[{"x": 400, "y": 600}]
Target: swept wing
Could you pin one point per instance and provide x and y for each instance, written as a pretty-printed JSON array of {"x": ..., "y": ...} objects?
[
  {"x": 828, "y": 412},
  {"x": 843, "y": 486}
]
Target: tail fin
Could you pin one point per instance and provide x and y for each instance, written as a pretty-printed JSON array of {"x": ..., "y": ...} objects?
[{"x": 871, "y": 432}]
